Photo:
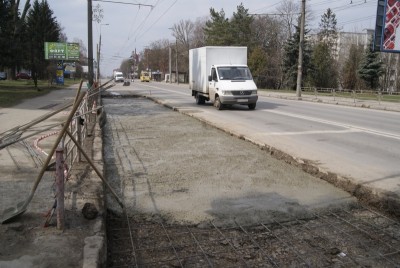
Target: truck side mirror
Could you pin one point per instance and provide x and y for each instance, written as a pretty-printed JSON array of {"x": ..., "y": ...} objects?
[{"x": 209, "y": 78}]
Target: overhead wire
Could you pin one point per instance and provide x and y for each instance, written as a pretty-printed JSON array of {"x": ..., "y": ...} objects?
[
  {"x": 162, "y": 15},
  {"x": 140, "y": 30},
  {"x": 265, "y": 8},
  {"x": 345, "y": 6},
  {"x": 350, "y": 5},
  {"x": 357, "y": 20},
  {"x": 133, "y": 22},
  {"x": 124, "y": 45}
]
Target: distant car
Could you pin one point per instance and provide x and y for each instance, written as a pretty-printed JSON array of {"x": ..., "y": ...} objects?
[
  {"x": 3, "y": 76},
  {"x": 23, "y": 76}
]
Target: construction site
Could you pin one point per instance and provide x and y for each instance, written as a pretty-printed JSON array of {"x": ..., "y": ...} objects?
[
  {"x": 192, "y": 201},
  {"x": 163, "y": 194}
]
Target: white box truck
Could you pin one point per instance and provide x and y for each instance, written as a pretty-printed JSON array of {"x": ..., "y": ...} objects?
[
  {"x": 221, "y": 75},
  {"x": 118, "y": 76}
]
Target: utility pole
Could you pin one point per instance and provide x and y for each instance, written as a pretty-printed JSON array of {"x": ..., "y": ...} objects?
[
  {"x": 176, "y": 61},
  {"x": 170, "y": 63},
  {"x": 301, "y": 49},
  {"x": 90, "y": 42}
]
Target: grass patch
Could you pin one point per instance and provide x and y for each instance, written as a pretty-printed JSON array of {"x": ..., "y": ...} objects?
[{"x": 13, "y": 92}]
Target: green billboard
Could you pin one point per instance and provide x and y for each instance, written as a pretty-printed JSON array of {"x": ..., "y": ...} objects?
[{"x": 61, "y": 51}]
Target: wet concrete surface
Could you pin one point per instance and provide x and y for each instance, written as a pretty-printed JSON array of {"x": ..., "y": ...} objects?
[
  {"x": 198, "y": 196},
  {"x": 167, "y": 163}
]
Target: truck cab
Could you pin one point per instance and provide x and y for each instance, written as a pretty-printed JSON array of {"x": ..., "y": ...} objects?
[{"x": 232, "y": 84}]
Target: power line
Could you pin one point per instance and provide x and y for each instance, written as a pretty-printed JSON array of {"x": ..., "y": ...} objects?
[
  {"x": 275, "y": 14},
  {"x": 146, "y": 31},
  {"x": 357, "y": 20},
  {"x": 123, "y": 3},
  {"x": 266, "y": 7},
  {"x": 139, "y": 27}
]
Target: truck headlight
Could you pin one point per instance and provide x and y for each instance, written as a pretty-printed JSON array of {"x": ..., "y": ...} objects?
[
  {"x": 254, "y": 92},
  {"x": 225, "y": 92}
]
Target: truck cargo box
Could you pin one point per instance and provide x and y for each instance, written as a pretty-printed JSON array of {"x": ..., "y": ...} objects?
[{"x": 201, "y": 59}]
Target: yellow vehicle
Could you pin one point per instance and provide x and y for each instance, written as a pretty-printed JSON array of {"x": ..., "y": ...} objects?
[{"x": 144, "y": 76}]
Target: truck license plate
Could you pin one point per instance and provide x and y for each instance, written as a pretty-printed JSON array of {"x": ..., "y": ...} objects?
[{"x": 242, "y": 100}]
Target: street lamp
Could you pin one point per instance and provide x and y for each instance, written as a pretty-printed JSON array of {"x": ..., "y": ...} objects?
[{"x": 98, "y": 52}]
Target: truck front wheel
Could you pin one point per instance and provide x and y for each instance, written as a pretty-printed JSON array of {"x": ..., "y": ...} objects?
[
  {"x": 252, "y": 106},
  {"x": 217, "y": 103}
]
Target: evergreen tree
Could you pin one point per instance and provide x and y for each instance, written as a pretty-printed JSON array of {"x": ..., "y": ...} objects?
[
  {"x": 41, "y": 27},
  {"x": 240, "y": 26},
  {"x": 371, "y": 67},
  {"x": 12, "y": 26},
  {"x": 217, "y": 31},
  {"x": 5, "y": 33},
  {"x": 258, "y": 64},
  {"x": 324, "y": 72},
  {"x": 291, "y": 57},
  {"x": 350, "y": 78},
  {"x": 328, "y": 32},
  {"x": 221, "y": 31}
]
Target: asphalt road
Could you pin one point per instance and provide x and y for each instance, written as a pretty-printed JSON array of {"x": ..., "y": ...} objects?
[{"x": 358, "y": 144}]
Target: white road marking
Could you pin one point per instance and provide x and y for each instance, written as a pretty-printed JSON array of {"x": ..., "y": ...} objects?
[
  {"x": 311, "y": 132},
  {"x": 337, "y": 124}
]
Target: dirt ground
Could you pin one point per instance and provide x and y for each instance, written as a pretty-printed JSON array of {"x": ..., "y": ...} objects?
[{"x": 198, "y": 197}]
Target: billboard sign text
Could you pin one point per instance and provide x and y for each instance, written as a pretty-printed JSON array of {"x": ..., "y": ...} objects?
[{"x": 61, "y": 51}]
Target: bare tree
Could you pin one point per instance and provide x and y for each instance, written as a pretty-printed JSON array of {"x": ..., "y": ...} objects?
[
  {"x": 159, "y": 57},
  {"x": 198, "y": 37},
  {"x": 183, "y": 31},
  {"x": 290, "y": 12}
]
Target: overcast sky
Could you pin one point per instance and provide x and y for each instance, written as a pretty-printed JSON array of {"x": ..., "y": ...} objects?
[{"x": 136, "y": 26}]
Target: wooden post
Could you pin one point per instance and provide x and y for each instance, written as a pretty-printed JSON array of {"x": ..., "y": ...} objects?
[
  {"x": 60, "y": 188},
  {"x": 78, "y": 133}
]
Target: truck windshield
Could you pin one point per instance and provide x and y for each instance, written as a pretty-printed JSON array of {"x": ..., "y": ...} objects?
[{"x": 234, "y": 73}]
